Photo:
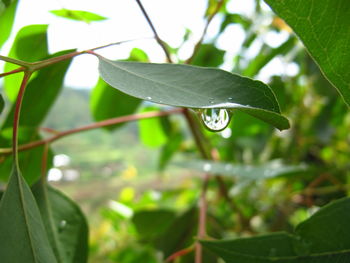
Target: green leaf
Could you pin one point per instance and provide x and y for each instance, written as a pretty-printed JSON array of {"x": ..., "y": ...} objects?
[
  {"x": 7, "y": 17},
  {"x": 323, "y": 238},
  {"x": 38, "y": 98},
  {"x": 107, "y": 102},
  {"x": 151, "y": 130},
  {"x": 193, "y": 87},
  {"x": 64, "y": 222},
  {"x": 168, "y": 150},
  {"x": 22, "y": 233},
  {"x": 30, "y": 45},
  {"x": 78, "y": 15},
  {"x": 30, "y": 160},
  {"x": 209, "y": 56},
  {"x": 324, "y": 28},
  {"x": 245, "y": 172},
  {"x": 151, "y": 223}
]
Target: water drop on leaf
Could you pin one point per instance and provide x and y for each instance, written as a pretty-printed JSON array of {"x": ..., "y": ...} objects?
[{"x": 215, "y": 119}]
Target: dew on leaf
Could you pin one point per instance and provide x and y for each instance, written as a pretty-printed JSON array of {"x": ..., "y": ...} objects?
[
  {"x": 148, "y": 98},
  {"x": 215, "y": 119},
  {"x": 62, "y": 225}
]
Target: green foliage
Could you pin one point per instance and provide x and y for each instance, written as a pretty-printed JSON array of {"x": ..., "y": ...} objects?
[
  {"x": 78, "y": 15},
  {"x": 324, "y": 28},
  {"x": 321, "y": 238},
  {"x": 20, "y": 220},
  {"x": 7, "y": 17},
  {"x": 193, "y": 87}
]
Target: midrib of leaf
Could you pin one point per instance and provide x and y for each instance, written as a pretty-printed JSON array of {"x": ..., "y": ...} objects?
[
  {"x": 24, "y": 213},
  {"x": 189, "y": 91}
]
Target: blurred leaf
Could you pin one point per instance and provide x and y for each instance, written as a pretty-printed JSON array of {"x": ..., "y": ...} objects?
[
  {"x": 137, "y": 54},
  {"x": 7, "y": 17},
  {"x": 30, "y": 160},
  {"x": 324, "y": 29},
  {"x": 29, "y": 45},
  {"x": 64, "y": 222},
  {"x": 22, "y": 234},
  {"x": 151, "y": 130},
  {"x": 209, "y": 56},
  {"x": 235, "y": 19},
  {"x": 193, "y": 87},
  {"x": 41, "y": 93},
  {"x": 78, "y": 15},
  {"x": 169, "y": 149},
  {"x": 151, "y": 223},
  {"x": 179, "y": 234},
  {"x": 245, "y": 172},
  {"x": 266, "y": 54},
  {"x": 323, "y": 238}
]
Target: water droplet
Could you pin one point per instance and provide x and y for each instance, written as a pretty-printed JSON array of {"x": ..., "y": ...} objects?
[
  {"x": 148, "y": 98},
  {"x": 230, "y": 98},
  {"x": 207, "y": 167},
  {"x": 215, "y": 119}
]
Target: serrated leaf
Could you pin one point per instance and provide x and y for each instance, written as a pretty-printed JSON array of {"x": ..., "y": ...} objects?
[
  {"x": 22, "y": 234},
  {"x": 29, "y": 45},
  {"x": 7, "y": 17},
  {"x": 323, "y": 238},
  {"x": 64, "y": 222},
  {"x": 78, "y": 15},
  {"x": 324, "y": 28},
  {"x": 193, "y": 87}
]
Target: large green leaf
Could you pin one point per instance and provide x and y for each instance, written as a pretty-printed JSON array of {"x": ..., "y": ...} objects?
[
  {"x": 324, "y": 28},
  {"x": 22, "y": 233},
  {"x": 7, "y": 17},
  {"x": 193, "y": 87},
  {"x": 323, "y": 238},
  {"x": 78, "y": 15},
  {"x": 41, "y": 93},
  {"x": 30, "y": 45},
  {"x": 64, "y": 222}
]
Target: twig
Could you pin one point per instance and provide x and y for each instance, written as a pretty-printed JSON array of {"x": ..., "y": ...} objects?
[
  {"x": 96, "y": 125},
  {"x": 20, "y": 69},
  {"x": 202, "y": 232},
  {"x": 210, "y": 18},
  {"x": 16, "y": 117},
  {"x": 179, "y": 253},
  {"x": 159, "y": 40}
]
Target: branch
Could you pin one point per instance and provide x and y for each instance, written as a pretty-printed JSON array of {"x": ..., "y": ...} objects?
[
  {"x": 105, "y": 123},
  {"x": 20, "y": 69},
  {"x": 210, "y": 18},
  {"x": 159, "y": 40}
]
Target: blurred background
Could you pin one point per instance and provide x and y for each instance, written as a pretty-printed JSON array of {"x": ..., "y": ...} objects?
[{"x": 277, "y": 180}]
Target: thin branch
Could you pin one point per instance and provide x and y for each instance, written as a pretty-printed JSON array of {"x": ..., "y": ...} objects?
[
  {"x": 159, "y": 40},
  {"x": 15, "y": 61},
  {"x": 210, "y": 18},
  {"x": 20, "y": 69},
  {"x": 202, "y": 232},
  {"x": 179, "y": 253},
  {"x": 92, "y": 126},
  {"x": 16, "y": 117}
]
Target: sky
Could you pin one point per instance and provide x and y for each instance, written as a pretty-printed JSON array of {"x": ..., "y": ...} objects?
[{"x": 125, "y": 21}]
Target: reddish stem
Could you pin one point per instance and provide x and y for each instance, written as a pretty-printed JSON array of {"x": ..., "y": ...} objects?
[
  {"x": 179, "y": 253},
  {"x": 20, "y": 69}
]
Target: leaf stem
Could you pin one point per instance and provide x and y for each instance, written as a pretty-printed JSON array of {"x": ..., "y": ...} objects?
[
  {"x": 20, "y": 69},
  {"x": 105, "y": 123},
  {"x": 159, "y": 40},
  {"x": 19, "y": 100},
  {"x": 16, "y": 61},
  {"x": 210, "y": 18}
]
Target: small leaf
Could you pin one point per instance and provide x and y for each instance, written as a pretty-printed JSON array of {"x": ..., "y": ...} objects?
[
  {"x": 323, "y": 238},
  {"x": 29, "y": 45},
  {"x": 324, "y": 28},
  {"x": 22, "y": 233},
  {"x": 78, "y": 15},
  {"x": 7, "y": 17},
  {"x": 64, "y": 222},
  {"x": 193, "y": 87},
  {"x": 208, "y": 56}
]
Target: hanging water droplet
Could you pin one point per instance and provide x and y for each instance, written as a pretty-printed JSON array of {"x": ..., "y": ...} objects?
[
  {"x": 215, "y": 119},
  {"x": 148, "y": 98}
]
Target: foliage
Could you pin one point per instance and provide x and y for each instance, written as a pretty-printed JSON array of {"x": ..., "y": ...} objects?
[{"x": 256, "y": 194}]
